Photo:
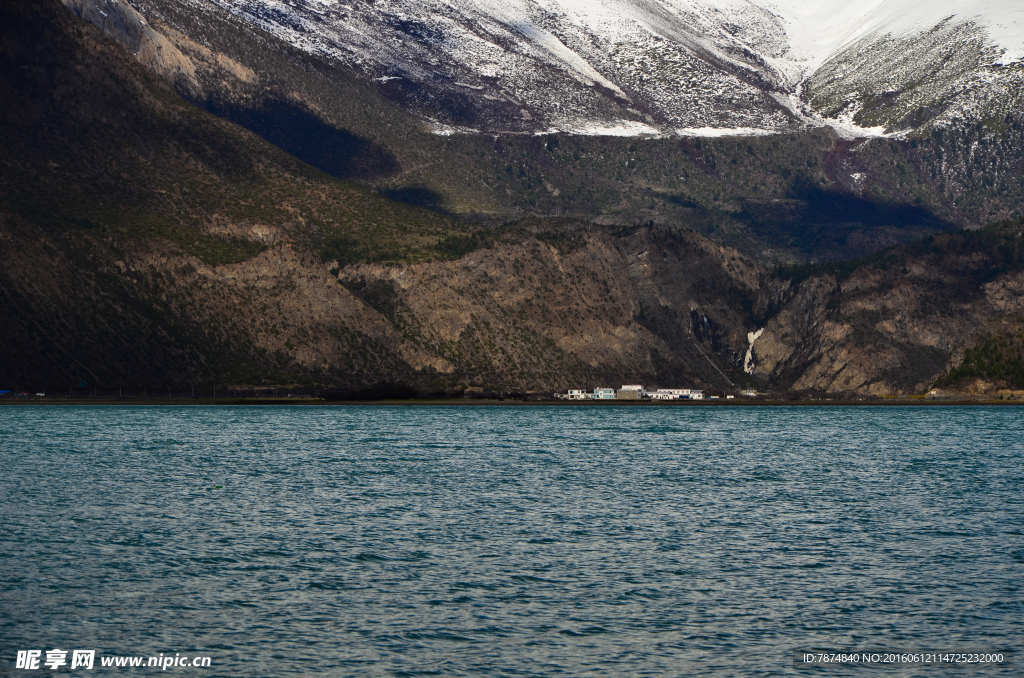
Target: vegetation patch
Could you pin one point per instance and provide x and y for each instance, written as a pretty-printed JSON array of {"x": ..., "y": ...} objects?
[
  {"x": 459, "y": 245},
  {"x": 998, "y": 358}
]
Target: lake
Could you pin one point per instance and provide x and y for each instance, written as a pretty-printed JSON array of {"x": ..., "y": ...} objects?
[{"x": 511, "y": 541}]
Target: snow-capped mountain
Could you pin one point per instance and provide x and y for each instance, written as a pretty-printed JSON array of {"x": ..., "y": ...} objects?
[
  {"x": 636, "y": 67},
  {"x": 902, "y": 64},
  {"x": 611, "y": 66},
  {"x": 821, "y": 29}
]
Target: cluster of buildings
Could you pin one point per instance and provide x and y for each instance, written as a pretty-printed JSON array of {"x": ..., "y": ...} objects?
[{"x": 633, "y": 392}]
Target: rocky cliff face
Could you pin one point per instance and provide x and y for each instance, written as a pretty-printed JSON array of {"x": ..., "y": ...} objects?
[
  {"x": 122, "y": 23},
  {"x": 580, "y": 306},
  {"x": 898, "y": 322},
  {"x": 531, "y": 312}
]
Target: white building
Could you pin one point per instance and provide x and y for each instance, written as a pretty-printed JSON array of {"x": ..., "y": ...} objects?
[
  {"x": 676, "y": 394},
  {"x": 633, "y": 392}
]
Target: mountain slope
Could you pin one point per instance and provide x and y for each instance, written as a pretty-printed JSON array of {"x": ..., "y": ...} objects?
[
  {"x": 615, "y": 67},
  {"x": 113, "y": 189},
  {"x": 900, "y": 321},
  {"x": 332, "y": 114},
  {"x": 944, "y": 75},
  {"x": 633, "y": 68},
  {"x": 147, "y": 241}
]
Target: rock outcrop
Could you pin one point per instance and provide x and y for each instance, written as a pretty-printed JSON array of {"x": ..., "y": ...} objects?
[{"x": 123, "y": 24}]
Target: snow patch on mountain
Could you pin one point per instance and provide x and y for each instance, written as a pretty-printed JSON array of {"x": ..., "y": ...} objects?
[
  {"x": 947, "y": 72},
  {"x": 723, "y": 132},
  {"x": 624, "y": 128},
  {"x": 636, "y": 67},
  {"x": 571, "y": 65},
  {"x": 819, "y": 29}
]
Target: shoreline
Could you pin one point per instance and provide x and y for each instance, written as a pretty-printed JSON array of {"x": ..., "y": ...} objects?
[{"x": 464, "y": 402}]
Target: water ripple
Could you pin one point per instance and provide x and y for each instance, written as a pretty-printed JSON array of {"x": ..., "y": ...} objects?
[{"x": 516, "y": 541}]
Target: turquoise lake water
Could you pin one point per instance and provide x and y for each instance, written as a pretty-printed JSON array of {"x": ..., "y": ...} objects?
[{"x": 511, "y": 541}]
